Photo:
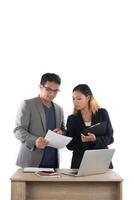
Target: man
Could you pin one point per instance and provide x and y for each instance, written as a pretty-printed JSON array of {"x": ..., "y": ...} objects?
[{"x": 34, "y": 118}]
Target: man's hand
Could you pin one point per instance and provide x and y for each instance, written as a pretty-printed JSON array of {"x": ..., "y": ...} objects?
[
  {"x": 88, "y": 138},
  {"x": 41, "y": 143},
  {"x": 58, "y": 131}
]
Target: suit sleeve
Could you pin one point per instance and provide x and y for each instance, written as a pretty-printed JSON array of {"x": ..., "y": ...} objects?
[
  {"x": 22, "y": 126},
  {"x": 107, "y": 139},
  {"x": 74, "y": 143},
  {"x": 102, "y": 141}
]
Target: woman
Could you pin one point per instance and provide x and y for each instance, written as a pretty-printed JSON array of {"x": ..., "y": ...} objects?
[{"x": 87, "y": 112}]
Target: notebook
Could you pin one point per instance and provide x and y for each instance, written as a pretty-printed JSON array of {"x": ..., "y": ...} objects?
[
  {"x": 37, "y": 169},
  {"x": 93, "y": 162},
  {"x": 98, "y": 129}
]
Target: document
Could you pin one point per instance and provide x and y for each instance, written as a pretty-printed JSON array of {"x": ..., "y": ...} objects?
[
  {"x": 56, "y": 140},
  {"x": 38, "y": 169},
  {"x": 98, "y": 129}
]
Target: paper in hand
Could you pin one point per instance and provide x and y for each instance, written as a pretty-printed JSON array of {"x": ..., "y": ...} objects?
[{"x": 56, "y": 140}]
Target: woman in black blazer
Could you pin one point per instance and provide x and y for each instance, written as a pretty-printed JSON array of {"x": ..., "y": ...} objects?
[{"x": 87, "y": 112}]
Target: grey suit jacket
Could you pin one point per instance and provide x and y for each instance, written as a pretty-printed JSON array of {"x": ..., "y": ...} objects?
[{"x": 31, "y": 124}]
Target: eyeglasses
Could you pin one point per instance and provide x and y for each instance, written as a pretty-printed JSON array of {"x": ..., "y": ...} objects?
[{"x": 51, "y": 90}]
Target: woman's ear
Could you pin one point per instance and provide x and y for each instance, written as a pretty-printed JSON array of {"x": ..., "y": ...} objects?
[{"x": 88, "y": 97}]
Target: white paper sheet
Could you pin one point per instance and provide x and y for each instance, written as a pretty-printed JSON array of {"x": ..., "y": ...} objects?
[
  {"x": 56, "y": 140},
  {"x": 37, "y": 169}
]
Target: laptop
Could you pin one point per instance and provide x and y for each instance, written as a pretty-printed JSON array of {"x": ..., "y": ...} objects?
[{"x": 93, "y": 162}]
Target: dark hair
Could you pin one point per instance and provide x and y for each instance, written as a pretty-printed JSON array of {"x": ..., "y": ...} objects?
[
  {"x": 84, "y": 89},
  {"x": 50, "y": 77}
]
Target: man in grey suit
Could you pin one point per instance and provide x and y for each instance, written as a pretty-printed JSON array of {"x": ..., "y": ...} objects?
[{"x": 33, "y": 120}]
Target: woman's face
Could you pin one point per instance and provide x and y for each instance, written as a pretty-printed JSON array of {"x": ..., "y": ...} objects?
[{"x": 80, "y": 101}]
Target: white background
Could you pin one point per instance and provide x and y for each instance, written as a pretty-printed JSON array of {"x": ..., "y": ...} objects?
[{"x": 84, "y": 42}]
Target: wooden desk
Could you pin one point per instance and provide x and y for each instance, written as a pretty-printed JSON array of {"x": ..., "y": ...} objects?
[{"x": 28, "y": 186}]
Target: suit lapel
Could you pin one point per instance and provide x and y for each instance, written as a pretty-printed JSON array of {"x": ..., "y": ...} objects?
[
  {"x": 95, "y": 118},
  {"x": 80, "y": 120},
  {"x": 56, "y": 115},
  {"x": 42, "y": 113}
]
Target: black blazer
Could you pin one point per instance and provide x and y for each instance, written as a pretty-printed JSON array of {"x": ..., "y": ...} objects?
[{"x": 75, "y": 126}]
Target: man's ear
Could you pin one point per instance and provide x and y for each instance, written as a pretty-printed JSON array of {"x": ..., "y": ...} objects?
[{"x": 40, "y": 86}]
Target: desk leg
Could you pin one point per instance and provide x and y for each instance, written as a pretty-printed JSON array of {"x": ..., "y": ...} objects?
[
  {"x": 120, "y": 191},
  {"x": 18, "y": 190}
]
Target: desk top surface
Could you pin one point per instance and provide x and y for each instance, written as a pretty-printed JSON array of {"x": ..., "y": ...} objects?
[{"x": 109, "y": 176}]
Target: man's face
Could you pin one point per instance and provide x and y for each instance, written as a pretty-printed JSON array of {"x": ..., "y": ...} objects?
[{"x": 49, "y": 90}]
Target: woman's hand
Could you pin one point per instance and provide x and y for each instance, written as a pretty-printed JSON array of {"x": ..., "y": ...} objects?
[
  {"x": 58, "y": 131},
  {"x": 88, "y": 138}
]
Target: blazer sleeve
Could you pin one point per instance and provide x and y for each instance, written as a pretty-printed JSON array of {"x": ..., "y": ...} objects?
[
  {"x": 75, "y": 143},
  {"x": 107, "y": 139},
  {"x": 103, "y": 141},
  {"x": 22, "y": 125}
]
